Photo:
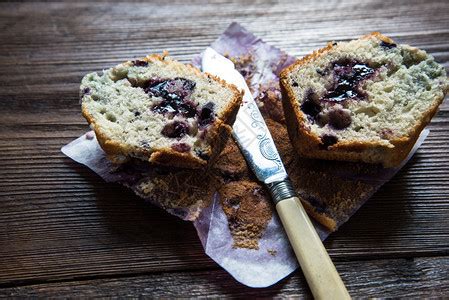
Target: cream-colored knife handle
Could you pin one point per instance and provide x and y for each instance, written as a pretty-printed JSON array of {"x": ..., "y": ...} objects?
[{"x": 317, "y": 266}]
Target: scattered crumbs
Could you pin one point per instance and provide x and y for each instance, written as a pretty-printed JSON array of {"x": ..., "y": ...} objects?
[
  {"x": 247, "y": 206},
  {"x": 90, "y": 135},
  {"x": 272, "y": 252},
  {"x": 246, "y": 66}
]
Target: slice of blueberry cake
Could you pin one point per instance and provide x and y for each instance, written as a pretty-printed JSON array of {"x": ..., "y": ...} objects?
[
  {"x": 363, "y": 100},
  {"x": 160, "y": 110}
]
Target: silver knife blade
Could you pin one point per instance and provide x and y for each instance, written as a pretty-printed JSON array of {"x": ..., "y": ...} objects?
[{"x": 249, "y": 130}]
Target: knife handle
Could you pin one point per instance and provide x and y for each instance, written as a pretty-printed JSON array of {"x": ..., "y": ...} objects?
[{"x": 321, "y": 275}]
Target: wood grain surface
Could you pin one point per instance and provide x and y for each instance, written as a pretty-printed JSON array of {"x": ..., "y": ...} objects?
[
  {"x": 65, "y": 232},
  {"x": 392, "y": 277}
]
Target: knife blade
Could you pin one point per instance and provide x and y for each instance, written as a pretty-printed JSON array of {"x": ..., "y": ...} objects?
[
  {"x": 249, "y": 129},
  {"x": 258, "y": 148}
]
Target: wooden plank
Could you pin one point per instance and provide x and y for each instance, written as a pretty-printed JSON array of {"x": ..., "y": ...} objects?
[
  {"x": 62, "y": 50},
  {"x": 58, "y": 212},
  {"x": 422, "y": 277}
]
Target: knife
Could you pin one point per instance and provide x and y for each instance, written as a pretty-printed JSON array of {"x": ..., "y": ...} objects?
[{"x": 255, "y": 142}]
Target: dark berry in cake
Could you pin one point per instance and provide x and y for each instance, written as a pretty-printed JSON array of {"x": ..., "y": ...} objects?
[
  {"x": 175, "y": 129},
  {"x": 179, "y": 87},
  {"x": 86, "y": 91},
  {"x": 145, "y": 144},
  {"x": 328, "y": 140},
  {"x": 140, "y": 63},
  {"x": 175, "y": 107},
  {"x": 176, "y": 94},
  {"x": 176, "y": 89},
  {"x": 206, "y": 115},
  {"x": 181, "y": 147},
  {"x": 339, "y": 118},
  {"x": 388, "y": 45},
  {"x": 322, "y": 119},
  {"x": 311, "y": 105},
  {"x": 234, "y": 202}
]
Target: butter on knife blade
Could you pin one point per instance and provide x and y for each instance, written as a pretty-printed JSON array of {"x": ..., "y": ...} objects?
[{"x": 249, "y": 129}]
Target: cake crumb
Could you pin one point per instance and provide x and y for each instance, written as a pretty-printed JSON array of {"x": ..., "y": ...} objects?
[{"x": 272, "y": 252}]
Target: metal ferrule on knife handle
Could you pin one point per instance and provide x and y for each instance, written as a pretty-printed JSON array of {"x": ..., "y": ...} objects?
[{"x": 281, "y": 190}]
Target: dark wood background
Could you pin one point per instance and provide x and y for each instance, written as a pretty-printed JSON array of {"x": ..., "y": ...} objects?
[{"x": 63, "y": 231}]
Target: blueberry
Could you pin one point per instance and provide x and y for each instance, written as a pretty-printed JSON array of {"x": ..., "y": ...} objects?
[
  {"x": 176, "y": 107},
  {"x": 155, "y": 87},
  {"x": 328, "y": 140},
  {"x": 140, "y": 63},
  {"x": 188, "y": 109},
  {"x": 310, "y": 108},
  {"x": 311, "y": 105},
  {"x": 176, "y": 94},
  {"x": 206, "y": 115},
  {"x": 181, "y": 147},
  {"x": 388, "y": 45},
  {"x": 145, "y": 144},
  {"x": 86, "y": 91},
  {"x": 179, "y": 87},
  {"x": 339, "y": 118},
  {"x": 175, "y": 129},
  {"x": 322, "y": 119}
]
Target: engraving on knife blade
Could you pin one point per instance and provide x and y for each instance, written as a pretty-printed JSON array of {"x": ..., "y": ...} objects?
[{"x": 265, "y": 143}]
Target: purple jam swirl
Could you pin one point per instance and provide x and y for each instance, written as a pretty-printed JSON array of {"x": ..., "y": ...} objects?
[
  {"x": 347, "y": 77},
  {"x": 176, "y": 94}
]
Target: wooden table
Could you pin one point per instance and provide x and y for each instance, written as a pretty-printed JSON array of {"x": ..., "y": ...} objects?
[{"x": 65, "y": 232}]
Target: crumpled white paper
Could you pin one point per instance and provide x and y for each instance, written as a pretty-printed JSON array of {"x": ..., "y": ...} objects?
[{"x": 274, "y": 259}]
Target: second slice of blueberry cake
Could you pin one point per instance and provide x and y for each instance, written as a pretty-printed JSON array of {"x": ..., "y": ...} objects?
[
  {"x": 363, "y": 100},
  {"x": 159, "y": 110}
]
